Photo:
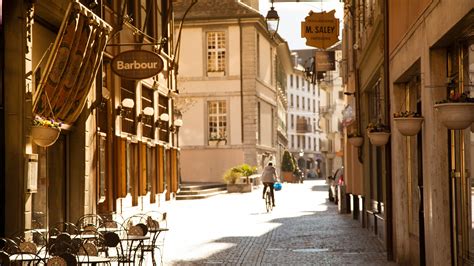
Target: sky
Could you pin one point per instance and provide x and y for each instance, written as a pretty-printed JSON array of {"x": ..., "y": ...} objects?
[{"x": 292, "y": 14}]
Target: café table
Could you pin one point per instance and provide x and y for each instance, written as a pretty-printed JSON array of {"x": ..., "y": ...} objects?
[{"x": 27, "y": 257}]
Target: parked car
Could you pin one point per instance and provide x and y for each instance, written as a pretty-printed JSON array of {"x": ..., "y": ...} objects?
[{"x": 334, "y": 182}]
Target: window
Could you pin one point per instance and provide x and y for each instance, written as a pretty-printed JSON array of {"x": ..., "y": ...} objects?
[
  {"x": 291, "y": 100},
  {"x": 163, "y": 109},
  {"x": 309, "y": 104},
  {"x": 147, "y": 121},
  {"x": 291, "y": 80},
  {"x": 297, "y": 81},
  {"x": 302, "y": 102},
  {"x": 217, "y": 115},
  {"x": 128, "y": 117},
  {"x": 147, "y": 17},
  {"x": 297, "y": 101},
  {"x": 258, "y": 55},
  {"x": 292, "y": 121},
  {"x": 216, "y": 51}
]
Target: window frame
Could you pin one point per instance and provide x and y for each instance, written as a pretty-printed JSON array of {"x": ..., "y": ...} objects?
[
  {"x": 219, "y": 137},
  {"x": 220, "y": 67}
]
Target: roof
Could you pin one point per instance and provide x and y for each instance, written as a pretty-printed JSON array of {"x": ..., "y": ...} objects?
[{"x": 214, "y": 9}]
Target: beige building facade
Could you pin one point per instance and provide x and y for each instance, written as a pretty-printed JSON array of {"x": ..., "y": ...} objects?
[
  {"x": 230, "y": 72},
  {"x": 413, "y": 192}
]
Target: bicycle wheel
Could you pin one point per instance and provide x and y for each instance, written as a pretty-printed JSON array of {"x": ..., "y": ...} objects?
[{"x": 268, "y": 201}]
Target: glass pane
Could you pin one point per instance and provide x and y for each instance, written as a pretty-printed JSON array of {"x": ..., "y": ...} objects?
[{"x": 102, "y": 168}]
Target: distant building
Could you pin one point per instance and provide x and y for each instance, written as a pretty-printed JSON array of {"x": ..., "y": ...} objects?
[
  {"x": 314, "y": 114},
  {"x": 229, "y": 71}
]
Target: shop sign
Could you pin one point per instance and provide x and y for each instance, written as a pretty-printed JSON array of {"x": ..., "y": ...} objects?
[
  {"x": 321, "y": 30},
  {"x": 137, "y": 64},
  {"x": 325, "y": 60}
]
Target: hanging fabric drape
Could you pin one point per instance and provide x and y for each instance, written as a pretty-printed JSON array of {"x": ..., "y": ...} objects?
[{"x": 72, "y": 65}]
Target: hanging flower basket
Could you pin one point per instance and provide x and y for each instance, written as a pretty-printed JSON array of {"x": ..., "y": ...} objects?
[
  {"x": 356, "y": 141},
  {"x": 409, "y": 126},
  {"x": 378, "y": 138},
  {"x": 456, "y": 115},
  {"x": 45, "y": 132},
  {"x": 44, "y": 136}
]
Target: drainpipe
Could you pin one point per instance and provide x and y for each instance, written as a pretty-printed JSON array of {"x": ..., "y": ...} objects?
[
  {"x": 241, "y": 86},
  {"x": 388, "y": 150}
]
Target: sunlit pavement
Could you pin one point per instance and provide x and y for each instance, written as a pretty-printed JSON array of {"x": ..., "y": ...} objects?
[{"x": 235, "y": 229}]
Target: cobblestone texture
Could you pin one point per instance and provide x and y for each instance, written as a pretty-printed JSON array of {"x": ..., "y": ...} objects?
[{"x": 234, "y": 229}]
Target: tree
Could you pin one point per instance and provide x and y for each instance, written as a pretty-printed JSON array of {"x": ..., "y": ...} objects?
[{"x": 287, "y": 162}]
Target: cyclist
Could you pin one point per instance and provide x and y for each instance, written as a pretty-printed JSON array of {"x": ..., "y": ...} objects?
[{"x": 269, "y": 178}]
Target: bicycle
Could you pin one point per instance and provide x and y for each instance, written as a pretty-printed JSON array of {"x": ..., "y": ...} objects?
[{"x": 268, "y": 200}]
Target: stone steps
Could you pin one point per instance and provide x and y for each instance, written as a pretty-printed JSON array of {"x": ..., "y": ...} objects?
[{"x": 200, "y": 190}]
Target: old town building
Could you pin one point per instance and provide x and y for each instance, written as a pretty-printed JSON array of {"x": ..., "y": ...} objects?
[
  {"x": 113, "y": 154},
  {"x": 233, "y": 72}
]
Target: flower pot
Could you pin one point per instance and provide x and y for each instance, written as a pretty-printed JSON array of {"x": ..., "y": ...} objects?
[
  {"x": 44, "y": 136},
  {"x": 455, "y": 115},
  {"x": 409, "y": 126},
  {"x": 378, "y": 138},
  {"x": 356, "y": 141}
]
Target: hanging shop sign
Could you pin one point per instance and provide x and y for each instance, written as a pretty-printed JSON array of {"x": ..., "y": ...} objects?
[
  {"x": 325, "y": 61},
  {"x": 321, "y": 30},
  {"x": 137, "y": 64}
]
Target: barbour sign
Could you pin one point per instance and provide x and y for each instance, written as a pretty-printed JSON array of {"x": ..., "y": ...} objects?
[
  {"x": 137, "y": 64},
  {"x": 321, "y": 30}
]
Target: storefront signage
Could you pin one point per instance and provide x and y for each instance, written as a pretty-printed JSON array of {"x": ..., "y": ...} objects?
[
  {"x": 137, "y": 64},
  {"x": 321, "y": 30},
  {"x": 325, "y": 60}
]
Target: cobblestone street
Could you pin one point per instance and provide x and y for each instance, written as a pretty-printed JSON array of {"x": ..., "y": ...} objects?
[{"x": 234, "y": 229}]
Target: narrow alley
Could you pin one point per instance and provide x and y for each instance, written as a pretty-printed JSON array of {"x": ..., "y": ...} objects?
[{"x": 235, "y": 229}]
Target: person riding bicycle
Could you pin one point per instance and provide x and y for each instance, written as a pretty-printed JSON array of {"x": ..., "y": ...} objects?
[{"x": 269, "y": 178}]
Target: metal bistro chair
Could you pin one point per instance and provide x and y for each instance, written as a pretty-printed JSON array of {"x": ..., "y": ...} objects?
[{"x": 157, "y": 226}]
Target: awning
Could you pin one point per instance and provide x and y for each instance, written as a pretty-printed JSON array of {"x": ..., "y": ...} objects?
[{"x": 72, "y": 65}]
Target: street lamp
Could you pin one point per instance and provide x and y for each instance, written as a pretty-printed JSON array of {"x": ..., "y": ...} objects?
[
  {"x": 301, "y": 153},
  {"x": 273, "y": 20}
]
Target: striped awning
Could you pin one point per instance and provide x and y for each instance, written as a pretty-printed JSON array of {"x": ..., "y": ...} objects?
[{"x": 72, "y": 65}]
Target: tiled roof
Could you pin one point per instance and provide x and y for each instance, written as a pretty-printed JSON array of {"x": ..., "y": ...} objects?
[{"x": 214, "y": 9}]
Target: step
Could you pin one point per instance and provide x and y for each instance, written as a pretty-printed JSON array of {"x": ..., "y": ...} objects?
[
  {"x": 198, "y": 186},
  {"x": 199, "y": 196},
  {"x": 201, "y": 191}
]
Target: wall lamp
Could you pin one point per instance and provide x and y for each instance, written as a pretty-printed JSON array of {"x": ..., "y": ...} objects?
[
  {"x": 163, "y": 121},
  {"x": 146, "y": 113},
  {"x": 125, "y": 107},
  {"x": 176, "y": 125},
  {"x": 273, "y": 20}
]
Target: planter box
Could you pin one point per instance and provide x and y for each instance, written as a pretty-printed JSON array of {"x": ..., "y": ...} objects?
[
  {"x": 409, "y": 126},
  {"x": 455, "y": 115},
  {"x": 288, "y": 177},
  {"x": 239, "y": 188},
  {"x": 356, "y": 141},
  {"x": 378, "y": 138}
]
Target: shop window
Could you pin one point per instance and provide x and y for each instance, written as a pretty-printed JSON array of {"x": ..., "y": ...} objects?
[
  {"x": 216, "y": 53},
  {"x": 147, "y": 17},
  {"x": 127, "y": 90},
  {"x": 217, "y": 119},
  {"x": 147, "y": 120},
  {"x": 163, "y": 125},
  {"x": 102, "y": 168}
]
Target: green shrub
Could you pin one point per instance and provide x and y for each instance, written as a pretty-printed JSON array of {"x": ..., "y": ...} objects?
[
  {"x": 234, "y": 173},
  {"x": 288, "y": 162}
]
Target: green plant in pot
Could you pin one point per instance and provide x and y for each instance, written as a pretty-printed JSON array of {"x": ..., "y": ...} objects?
[
  {"x": 355, "y": 138},
  {"x": 288, "y": 166}
]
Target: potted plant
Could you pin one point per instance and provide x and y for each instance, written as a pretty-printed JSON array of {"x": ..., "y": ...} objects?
[
  {"x": 45, "y": 131},
  {"x": 288, "y": 166},
  {"x": 355, "y": 139},
  {"x": 378, "y": 133},
  {"x": 457, "y": 111},
  {"x": 408, "y": 122},
  {"x": 235, "y": 174}
]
